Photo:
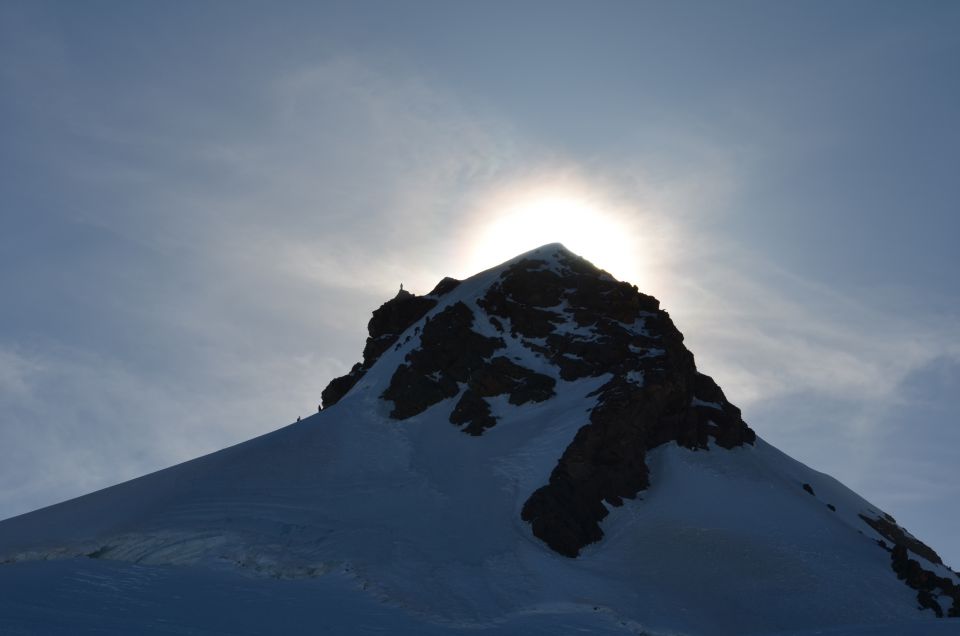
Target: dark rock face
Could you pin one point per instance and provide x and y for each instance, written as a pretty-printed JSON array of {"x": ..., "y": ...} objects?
[
  {"x": 338, "y": 387},
  {"x": 502, "y": 376},
  {"x": 391, "y": 320},
  {"x": 473, "y": 411},
  {"x": 928, "y": 584},
  {"x": 450, "y": 351},
  {"x": 452, "y": 354},
  {"x": 887, "y": 527},
  {"x": 607, "y": 459},
  {"x": 388, "y": 322}
]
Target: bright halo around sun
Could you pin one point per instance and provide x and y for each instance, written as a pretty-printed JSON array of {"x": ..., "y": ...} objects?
[{"x": 584, "y": 227}]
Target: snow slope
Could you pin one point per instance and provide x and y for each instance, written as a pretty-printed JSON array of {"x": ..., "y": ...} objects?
[{"x": 352, "y": 522}]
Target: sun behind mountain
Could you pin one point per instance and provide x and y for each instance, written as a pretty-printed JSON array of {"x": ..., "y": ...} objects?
[{"x": 579, "y": 221}]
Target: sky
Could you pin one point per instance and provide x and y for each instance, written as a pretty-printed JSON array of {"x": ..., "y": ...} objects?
[{"x": 201, "y": 203}]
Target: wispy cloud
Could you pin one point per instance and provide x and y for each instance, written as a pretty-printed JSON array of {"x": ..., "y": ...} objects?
[
  {"x": 216, "y": 308},
  {"x": 76, "y": 421},
  {"x": 775, "y": 334}
]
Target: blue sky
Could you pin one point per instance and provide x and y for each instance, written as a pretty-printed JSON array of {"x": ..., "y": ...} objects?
[{"x": 201, "y": 204}]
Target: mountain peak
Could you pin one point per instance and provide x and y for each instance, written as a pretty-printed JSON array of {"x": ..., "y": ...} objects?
[{"x": 511, "y": 334}]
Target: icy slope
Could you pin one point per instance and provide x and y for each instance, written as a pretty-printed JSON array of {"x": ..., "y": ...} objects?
[{"x": 426, "y": 522}]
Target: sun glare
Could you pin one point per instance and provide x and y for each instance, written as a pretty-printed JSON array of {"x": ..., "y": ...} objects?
[{"x": 581, "y": 225}]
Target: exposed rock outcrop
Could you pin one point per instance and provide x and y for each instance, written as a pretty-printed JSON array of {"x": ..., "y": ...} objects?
[
  {"x": 390, "y": 320},
  {"x": 887, "y": 527},
  {"x": 451, "y": 355},
  {"x": 929, "y": 584}
]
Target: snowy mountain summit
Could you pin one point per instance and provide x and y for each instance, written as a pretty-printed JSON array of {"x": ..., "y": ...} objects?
[
  {"x": 545, "y": 318},
  {"x": 530, "y": 450}
]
